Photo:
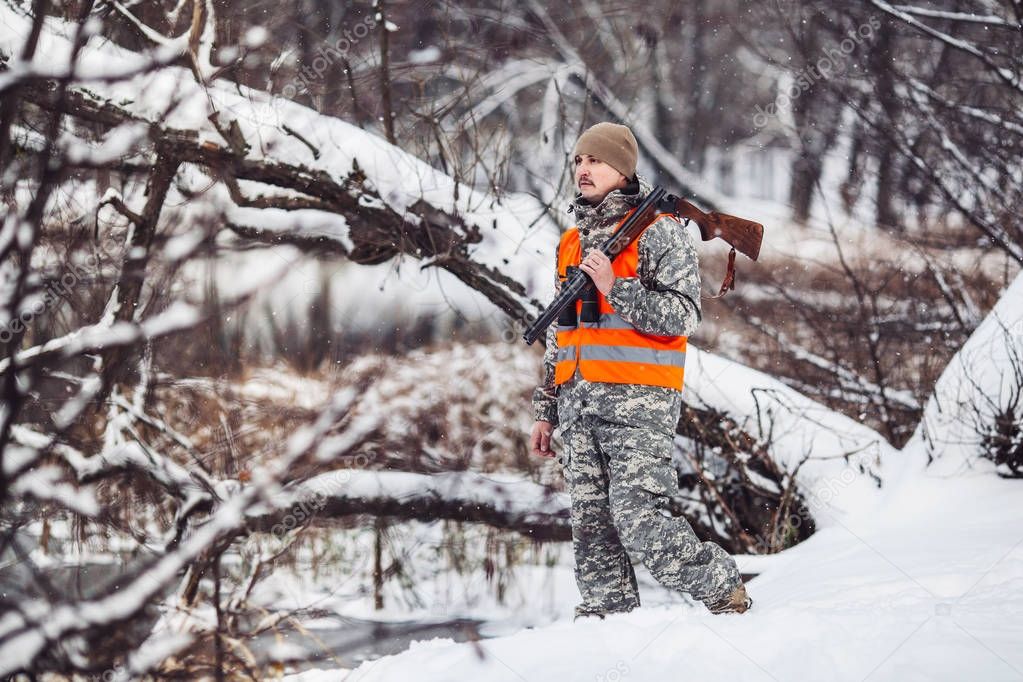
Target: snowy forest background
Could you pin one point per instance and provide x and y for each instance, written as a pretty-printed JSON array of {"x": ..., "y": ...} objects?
[{"x": 265, "y": 268}]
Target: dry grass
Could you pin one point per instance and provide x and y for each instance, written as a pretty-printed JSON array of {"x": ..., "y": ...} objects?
[{"x": 840, "y": 329}]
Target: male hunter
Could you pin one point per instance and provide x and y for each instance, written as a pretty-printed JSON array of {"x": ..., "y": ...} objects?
[{"x": 614, "y": 387}]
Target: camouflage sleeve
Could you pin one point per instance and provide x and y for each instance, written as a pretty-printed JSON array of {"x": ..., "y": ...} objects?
[
  {"x": 545, "y": 398},
  {"x": 665, "y": 298}
]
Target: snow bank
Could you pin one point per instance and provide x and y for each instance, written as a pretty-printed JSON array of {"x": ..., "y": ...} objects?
[
  {"x": 840, "y": 461},
  {"x": 983, "y": 379}
]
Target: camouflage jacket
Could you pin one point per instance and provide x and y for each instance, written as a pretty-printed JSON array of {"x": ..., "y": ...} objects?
[{"x": 664, "y": 299}]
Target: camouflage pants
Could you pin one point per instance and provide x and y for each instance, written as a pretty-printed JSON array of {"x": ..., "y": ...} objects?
[{"x": 620, "y": 478}]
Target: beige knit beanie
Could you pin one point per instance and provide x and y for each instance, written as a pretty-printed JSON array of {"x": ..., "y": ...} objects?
[{"x": 613, "y": 144}]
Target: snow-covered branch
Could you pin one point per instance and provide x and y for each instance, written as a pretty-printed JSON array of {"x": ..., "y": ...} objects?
[
  {"x": 372, "y": 231},
  {"x": 980, "y": 213},
  {"x": 498, "y": 500},
  {"x": 848, "y": 379},
  {"x": 1006, "y": 75},
  {"x": 963, "y": 17},
  {"x": 37, "y": 626}
]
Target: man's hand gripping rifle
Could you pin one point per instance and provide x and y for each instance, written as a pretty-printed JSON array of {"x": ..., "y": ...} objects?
[{"x": 744, "y": 235}]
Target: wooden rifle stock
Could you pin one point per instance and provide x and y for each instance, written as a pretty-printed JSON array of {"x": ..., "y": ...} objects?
[{"x": 745, "y": 235}]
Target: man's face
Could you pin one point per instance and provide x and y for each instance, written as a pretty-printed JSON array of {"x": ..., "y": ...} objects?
[{"x": 594, "y": 178}]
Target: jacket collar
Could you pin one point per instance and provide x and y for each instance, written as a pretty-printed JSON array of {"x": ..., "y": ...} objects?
[{"x": 614, "y": 205}]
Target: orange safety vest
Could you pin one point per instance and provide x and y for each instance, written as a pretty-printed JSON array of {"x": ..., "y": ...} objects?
[{"x": 612, "y": 350}]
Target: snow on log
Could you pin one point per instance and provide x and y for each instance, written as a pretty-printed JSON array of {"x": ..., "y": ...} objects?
[
  {"x": 506, "y": 501},
  {"x": 838, "y": 462},
  {"x": 334, "y": 186}
]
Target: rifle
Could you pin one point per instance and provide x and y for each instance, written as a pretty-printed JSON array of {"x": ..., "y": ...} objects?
[{"x": 744, "y": 235}]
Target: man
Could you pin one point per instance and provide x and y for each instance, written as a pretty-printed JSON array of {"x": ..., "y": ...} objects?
[{"x": 614, "y": 387}]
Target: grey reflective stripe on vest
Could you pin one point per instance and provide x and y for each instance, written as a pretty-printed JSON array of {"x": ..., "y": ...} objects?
[
  {"x": 649, "y": 356},
  {"x": 566, "y": 353},
  {"x": 607, "y": 321}
]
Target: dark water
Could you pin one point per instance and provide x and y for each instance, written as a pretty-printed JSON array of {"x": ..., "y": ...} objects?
[
  {"x": 355, "y": 640},
  {"x": 347, "y": 644}
]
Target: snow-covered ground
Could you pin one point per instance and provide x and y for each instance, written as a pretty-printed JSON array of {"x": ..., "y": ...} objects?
[
  {"x": 925, "y": 587},
  {"x": 922, "y": 582}
]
